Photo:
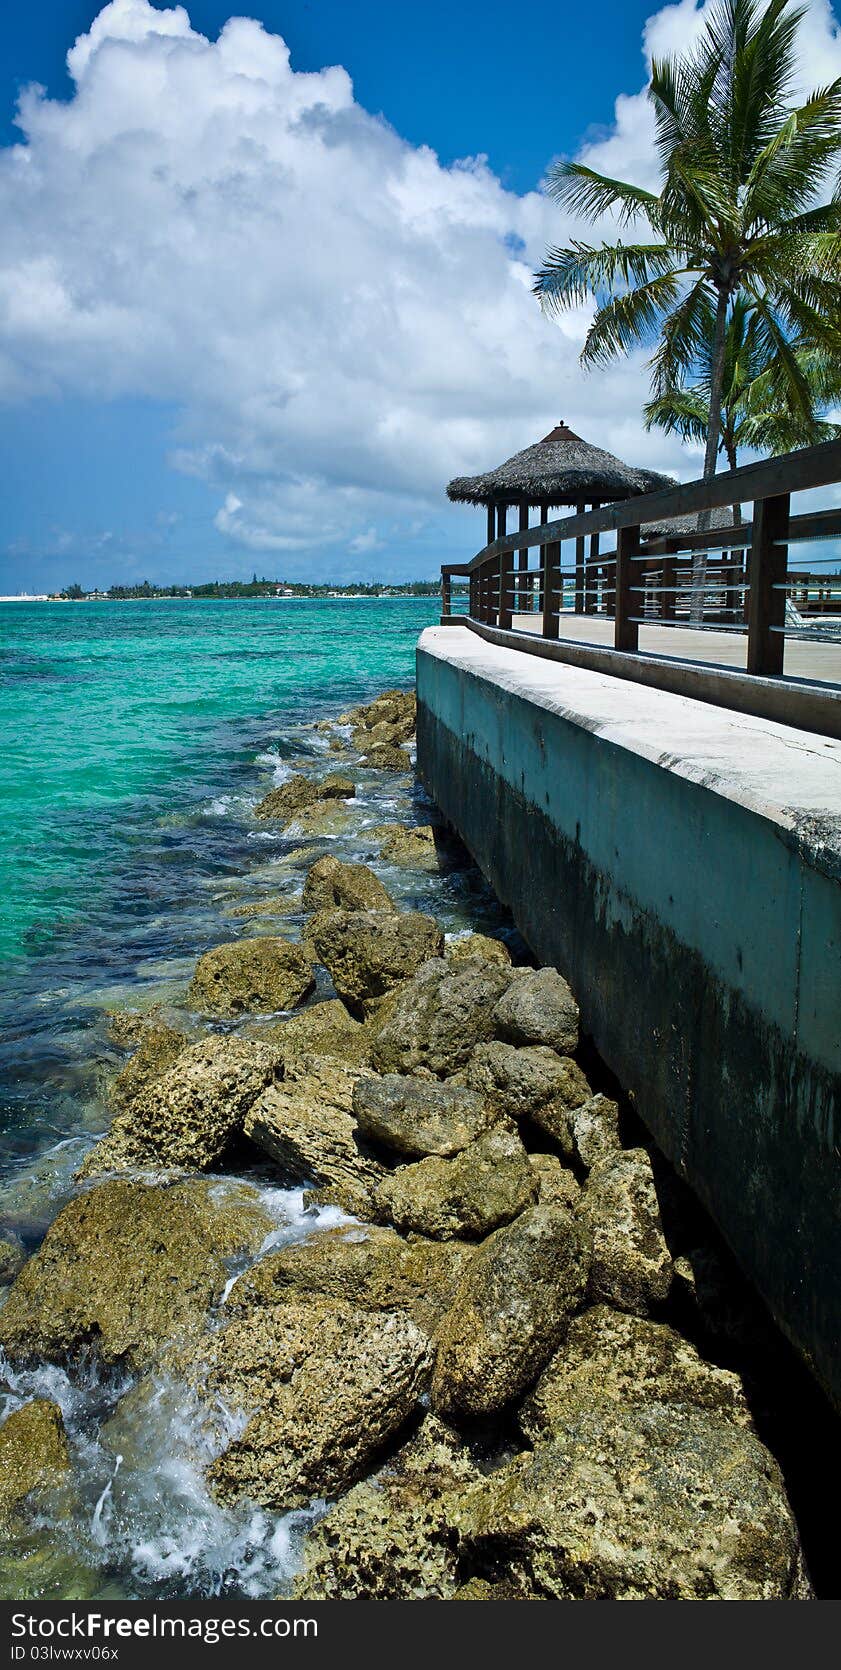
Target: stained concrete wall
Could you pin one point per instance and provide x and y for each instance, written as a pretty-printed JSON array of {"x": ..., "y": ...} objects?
[{"x": 682, "y": 866}]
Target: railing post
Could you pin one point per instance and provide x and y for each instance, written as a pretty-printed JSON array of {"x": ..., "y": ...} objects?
[
  {"x": 626, "y": 630},
  {"x": 669, "y": 582},
  {"x": 591, "y": 601},
  {"x": 766, "y": 573},
  {"x": 551, "y": 590},
  {"x": 523, "y": 559},
  {"x": 506, "y": 563},
  {"x": 446, "y": 595},
  {"x": 580, "y": 570}
]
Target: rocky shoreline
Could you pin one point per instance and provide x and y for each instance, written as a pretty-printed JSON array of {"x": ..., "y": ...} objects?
[{"x": 472, "y": 1366}]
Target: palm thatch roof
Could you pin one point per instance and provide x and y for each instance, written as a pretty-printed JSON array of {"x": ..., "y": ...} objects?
[
  {"x": 559, "y": 470},
  {"x": 673, "y": 526}
]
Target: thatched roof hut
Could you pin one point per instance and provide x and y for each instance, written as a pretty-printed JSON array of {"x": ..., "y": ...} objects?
[{"x": 562, "y": 469}]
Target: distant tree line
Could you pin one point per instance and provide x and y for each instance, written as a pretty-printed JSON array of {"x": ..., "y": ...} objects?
[{"x": 261, "y": 588}]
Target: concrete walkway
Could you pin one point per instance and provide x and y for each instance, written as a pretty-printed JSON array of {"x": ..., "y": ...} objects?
[{"x": 820, "y": 663}]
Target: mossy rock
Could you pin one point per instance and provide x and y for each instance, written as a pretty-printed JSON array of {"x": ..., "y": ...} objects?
[
  {"x": 333, "y": 885},
  {"x": 251, "y": 976},
  {"x": 34, "y": 1457}
]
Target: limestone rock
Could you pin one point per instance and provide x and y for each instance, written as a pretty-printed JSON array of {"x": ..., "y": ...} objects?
[
  {"x": 332, "y": 885},
  {"x": 123, "y": 1269},
  {"x": 439, "y": 1016},
  {"x": 632, "y": 1266},
  {"x": 659, "y": 1501},
  {"x": 366, "y": 1265},
  {"x": 539, "y": 1008},
  {"x": 385, "y": 756},
  {"x": 587, "y": 1133},
  {"x": 510, "y": 1311},
  {"x": 417, "y": 848},
  {"x": 298, "y": 792},
  {"x": 307, "y": 1125},
  {"x": 367, "y": 952},
  {"x": 391, "y": 705},
  {"x": 322, "y": 818},
  {"x": 324, "y": 1387},
  {"x": 33, "y": 1454},
  {"x": 484, "y": 1186},
  {"x": 626, "y": 1360},
  {"x": 251, "y": 975},
  {"x": 158, "y": 1047},
  {"x": 414, "y": 1117},
  {"x": 189, "y": 1116},
  {"x": 276, "y": 904},
  {"x": 326, "y": 1028},
  {"x": 393, "y": 1536},
  {"x": 470, "y": 947},
  {"x": 556, "y": 1185},
  {"x": 533, "y": 1082}
]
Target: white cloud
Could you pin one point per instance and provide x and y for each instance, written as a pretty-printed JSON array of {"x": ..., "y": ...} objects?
[{"x": 341, "y": 322}]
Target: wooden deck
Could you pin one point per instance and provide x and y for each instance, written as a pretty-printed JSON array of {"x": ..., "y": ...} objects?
[{"x": 819, "y": 663}]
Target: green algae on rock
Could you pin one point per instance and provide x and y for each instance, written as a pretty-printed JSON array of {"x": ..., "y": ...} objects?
[
  {"x": 251, "y": 976},
  {"x": 419, "y": 847},
  {"x": 531, "y": 1081},
  {"x": 123, "y": 1270},
  {"x": 189, "y": 1116},
  {"x": 466, "y": 1196},
  {"x": 326, "y": 1028},
  {"x": 368, "y": 952},
  {"x": 158, "y": 1046},
  {"x": 34, "y": 1457},
  {"x": 510, "y": 1312}
]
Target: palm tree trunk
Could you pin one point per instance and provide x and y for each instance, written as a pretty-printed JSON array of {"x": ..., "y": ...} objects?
[{"x": 699, "y": 565}]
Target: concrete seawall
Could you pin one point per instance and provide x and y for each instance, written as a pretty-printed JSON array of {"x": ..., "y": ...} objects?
[{"x": 682, "y": 866}]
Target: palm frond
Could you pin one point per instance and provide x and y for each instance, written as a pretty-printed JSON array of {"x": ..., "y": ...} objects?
[
  {"x": 573, "y": 274},
  {"x": 591, "y": 195},
  {"x": 629, "y": 321}
]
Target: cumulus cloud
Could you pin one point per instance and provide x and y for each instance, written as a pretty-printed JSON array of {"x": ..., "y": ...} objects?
[{"x": 341, "y": 321}]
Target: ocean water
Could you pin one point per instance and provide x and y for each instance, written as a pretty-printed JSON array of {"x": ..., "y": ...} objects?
[{"x": 136, "y": 740}]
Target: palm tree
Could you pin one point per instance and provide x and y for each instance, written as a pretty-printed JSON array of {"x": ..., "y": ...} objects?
[
  {"x": 736, "y": 215},
  {"x": 750, "y": 415}
]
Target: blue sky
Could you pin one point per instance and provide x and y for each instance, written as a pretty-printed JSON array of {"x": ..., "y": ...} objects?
[{"x": 265, "y": 340}]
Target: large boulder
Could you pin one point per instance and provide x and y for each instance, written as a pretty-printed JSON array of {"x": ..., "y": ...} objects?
[
  {"x": 510, "y": 1312},
  {"x": 486, "y": 1185},
  {"x": 34, "y": 1457},
  {"x": 439, "y": 1016},
  {"x": 386, "y": 756},
  {"x": 325, "y": 1028},
  {"x": 124, "y": 1269},
  {"x": 414, "y": 1117},
  {"x": 532, "y": 1082},
  {"x": 469, "y": 948},
  {"x": 323, "y": 1387},
  {"x": 251, "y": 976},
  {"x": 332, "y": 885},
  {"x": 366, "y": 1265},
  {"x": 190, "y": 1115},
  {"x": 368, "y": 952},
  {"x": 299, "y": 792},
  {"x": 393, "y": 1537},
  {"x": 556, "y": 1184},
  {"x": 632, "y": 1266},
  {"x": 12, "y": 1258},
  {"x": 306, "y": 1123},
  {"x": 654, "y": 1501},
  {"x": 628, "y": 1360},
  {"x": 539, "y": 1008}
]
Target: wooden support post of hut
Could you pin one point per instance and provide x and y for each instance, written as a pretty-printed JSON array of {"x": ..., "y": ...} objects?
[{"x": 561, "y": 471}]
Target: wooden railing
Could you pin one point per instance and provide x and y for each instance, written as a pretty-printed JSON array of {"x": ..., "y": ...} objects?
[{"x": 731, "y": 578}]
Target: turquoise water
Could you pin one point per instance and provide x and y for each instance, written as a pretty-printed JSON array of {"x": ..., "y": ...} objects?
[{"x": 114, "y": 715}]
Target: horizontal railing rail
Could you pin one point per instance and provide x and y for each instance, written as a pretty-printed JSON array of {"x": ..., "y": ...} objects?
[{"x": 732, "y": 579}]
